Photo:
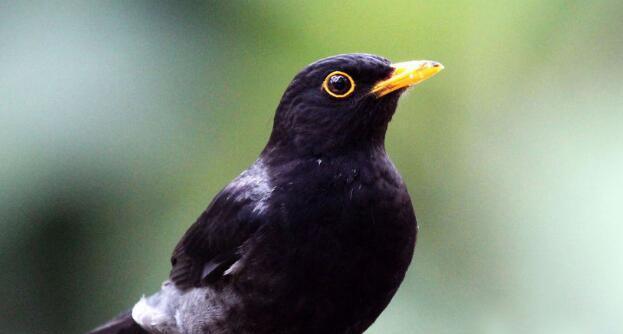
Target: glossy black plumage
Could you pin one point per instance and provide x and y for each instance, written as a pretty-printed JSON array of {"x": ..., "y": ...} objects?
[{"x": 315, "y": 237}]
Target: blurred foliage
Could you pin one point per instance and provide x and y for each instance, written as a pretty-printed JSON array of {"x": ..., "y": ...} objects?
[{"x": 120, "y": 120}]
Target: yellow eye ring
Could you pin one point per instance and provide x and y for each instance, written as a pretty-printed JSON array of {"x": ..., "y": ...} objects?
[{"x": 339, "y": 95}]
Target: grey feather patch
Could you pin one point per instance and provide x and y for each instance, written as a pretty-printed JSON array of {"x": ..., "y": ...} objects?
[{"x": 175, "y": 311}]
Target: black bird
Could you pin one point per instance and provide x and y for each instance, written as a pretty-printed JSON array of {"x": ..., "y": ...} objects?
[{"x": 315, "y": 236}]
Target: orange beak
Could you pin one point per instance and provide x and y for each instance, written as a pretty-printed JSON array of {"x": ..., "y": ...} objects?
[{"x": 407, "y": 74}]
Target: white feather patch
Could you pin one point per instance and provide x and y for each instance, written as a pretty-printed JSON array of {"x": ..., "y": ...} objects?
[
  {"x": 254, "y": 184},
  {"x": 149, "y": 317}
]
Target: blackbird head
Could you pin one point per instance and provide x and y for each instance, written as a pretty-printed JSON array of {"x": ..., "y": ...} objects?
[{"x": 343, "y": 102}]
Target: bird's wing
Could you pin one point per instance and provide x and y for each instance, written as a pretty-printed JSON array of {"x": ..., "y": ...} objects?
[
  {"x": 211, "y": 244},
  {"x": 122, "y": 324}
]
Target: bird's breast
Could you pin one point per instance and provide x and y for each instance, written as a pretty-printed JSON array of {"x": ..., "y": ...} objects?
[
  {"x": 352, "y": 206},
  {"x": 338, "y": 238}
]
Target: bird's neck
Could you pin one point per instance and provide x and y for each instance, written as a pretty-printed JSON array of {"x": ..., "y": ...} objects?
[{"x": 278, "y": 153}]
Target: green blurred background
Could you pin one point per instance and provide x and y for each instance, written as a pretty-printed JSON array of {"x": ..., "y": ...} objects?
[{"x": 119, "y": 121}]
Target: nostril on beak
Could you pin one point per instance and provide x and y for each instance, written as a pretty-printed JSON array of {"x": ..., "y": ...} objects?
[{"x": 437, "y": 65}]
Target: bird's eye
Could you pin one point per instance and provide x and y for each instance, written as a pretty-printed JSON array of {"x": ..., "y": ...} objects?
[{"x": 338, "y": 84}]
